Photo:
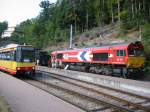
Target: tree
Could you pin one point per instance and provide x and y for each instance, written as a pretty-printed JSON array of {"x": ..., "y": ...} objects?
[
  {"x": 52, "y": 24},
  {"x": 3, "y": 27},
  {"x": 111, "y": 4}
]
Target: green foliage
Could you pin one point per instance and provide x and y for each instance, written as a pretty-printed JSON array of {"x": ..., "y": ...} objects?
[
  {"x": 3, "y": 27},
  {"x": 146, "y": 38},
  {"x": 146, "y": 42},
  {"x": 135, "y": 13},
  {"x": 53, "y": 23}
]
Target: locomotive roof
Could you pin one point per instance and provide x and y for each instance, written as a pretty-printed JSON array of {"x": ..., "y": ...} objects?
[
  {"x": 122, "y": 45},
  {"x": 86, "y": 48}
]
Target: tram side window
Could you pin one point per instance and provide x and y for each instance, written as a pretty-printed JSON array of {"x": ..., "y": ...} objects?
[
  {"x": 0, "y": 55},
  {"x": 7, "y": 56},
  {"x": 10, "y": 55}
]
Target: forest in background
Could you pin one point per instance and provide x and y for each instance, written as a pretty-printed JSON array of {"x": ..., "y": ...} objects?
[
  {"x": 3, "y": 27},
  {"x": 52, "y": 25}
]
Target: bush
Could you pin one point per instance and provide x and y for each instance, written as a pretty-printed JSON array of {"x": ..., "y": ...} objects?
[
  {"x": 146, "y": 38},
  {"x": 146, "y": 42}
]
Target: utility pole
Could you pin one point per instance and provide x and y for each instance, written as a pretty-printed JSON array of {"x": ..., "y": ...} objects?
[
  {"x": 87, "y": 19},
  {"x": 140, "y": 33},
  {"x": 70, "y": 36},
  {"x": 87, "y": 15}
]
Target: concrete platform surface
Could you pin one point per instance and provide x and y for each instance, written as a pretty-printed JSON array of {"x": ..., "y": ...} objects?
[{"x": 23, "y": 97}]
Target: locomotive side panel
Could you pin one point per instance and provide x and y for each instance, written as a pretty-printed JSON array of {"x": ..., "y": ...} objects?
[{"x": 124, "y": 57}]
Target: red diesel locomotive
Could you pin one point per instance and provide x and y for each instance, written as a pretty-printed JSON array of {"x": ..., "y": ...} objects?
[{"x": 126, "y": 57}]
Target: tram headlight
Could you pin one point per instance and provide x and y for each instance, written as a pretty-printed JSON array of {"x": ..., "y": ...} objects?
[{"x": 18, "y": 68}]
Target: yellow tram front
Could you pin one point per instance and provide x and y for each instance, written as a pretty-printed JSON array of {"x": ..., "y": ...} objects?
[{"x": 18, "y": 60}]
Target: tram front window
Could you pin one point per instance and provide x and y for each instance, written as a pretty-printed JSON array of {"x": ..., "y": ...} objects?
[{"x": 28, "y": 55}]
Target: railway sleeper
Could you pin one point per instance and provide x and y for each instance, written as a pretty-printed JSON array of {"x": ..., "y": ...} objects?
[{"x": 102, "y": 109}]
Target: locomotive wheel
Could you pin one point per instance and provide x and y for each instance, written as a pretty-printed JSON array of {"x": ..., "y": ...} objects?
[
  {"x": 98, "y": 70},
  {"x": 87, "y": 69},
  {"x": 124, "y": 73}
]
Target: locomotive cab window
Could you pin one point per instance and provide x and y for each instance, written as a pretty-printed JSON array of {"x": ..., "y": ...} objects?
[
  {"x": 135, "y": 52},
  {"x": 100, "y": 56},
  {"x": 120, "y": 53},
  {"x": 59, "y": 56}
]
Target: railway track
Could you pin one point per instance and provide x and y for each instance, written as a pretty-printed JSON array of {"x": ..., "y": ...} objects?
[
  {"x": 79, "y": 100},
  {"x": 101, "y": 98}
]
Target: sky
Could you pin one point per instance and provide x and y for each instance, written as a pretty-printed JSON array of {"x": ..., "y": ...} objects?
[{"x": 16, "y": 11}]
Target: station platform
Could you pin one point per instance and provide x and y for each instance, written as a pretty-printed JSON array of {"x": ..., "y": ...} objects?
[{"x": 23, "y": 97}]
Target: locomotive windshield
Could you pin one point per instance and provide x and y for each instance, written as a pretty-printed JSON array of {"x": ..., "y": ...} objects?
[
  {"x": 25, "y": 54},
  {"x": 135, "y": 52}
]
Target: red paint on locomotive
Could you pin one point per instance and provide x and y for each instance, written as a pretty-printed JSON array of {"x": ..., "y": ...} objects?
[{"x": 120, "y": 55}]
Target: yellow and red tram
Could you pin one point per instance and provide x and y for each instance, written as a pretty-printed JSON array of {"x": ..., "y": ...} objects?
[{"x": 16, "y": 59}]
